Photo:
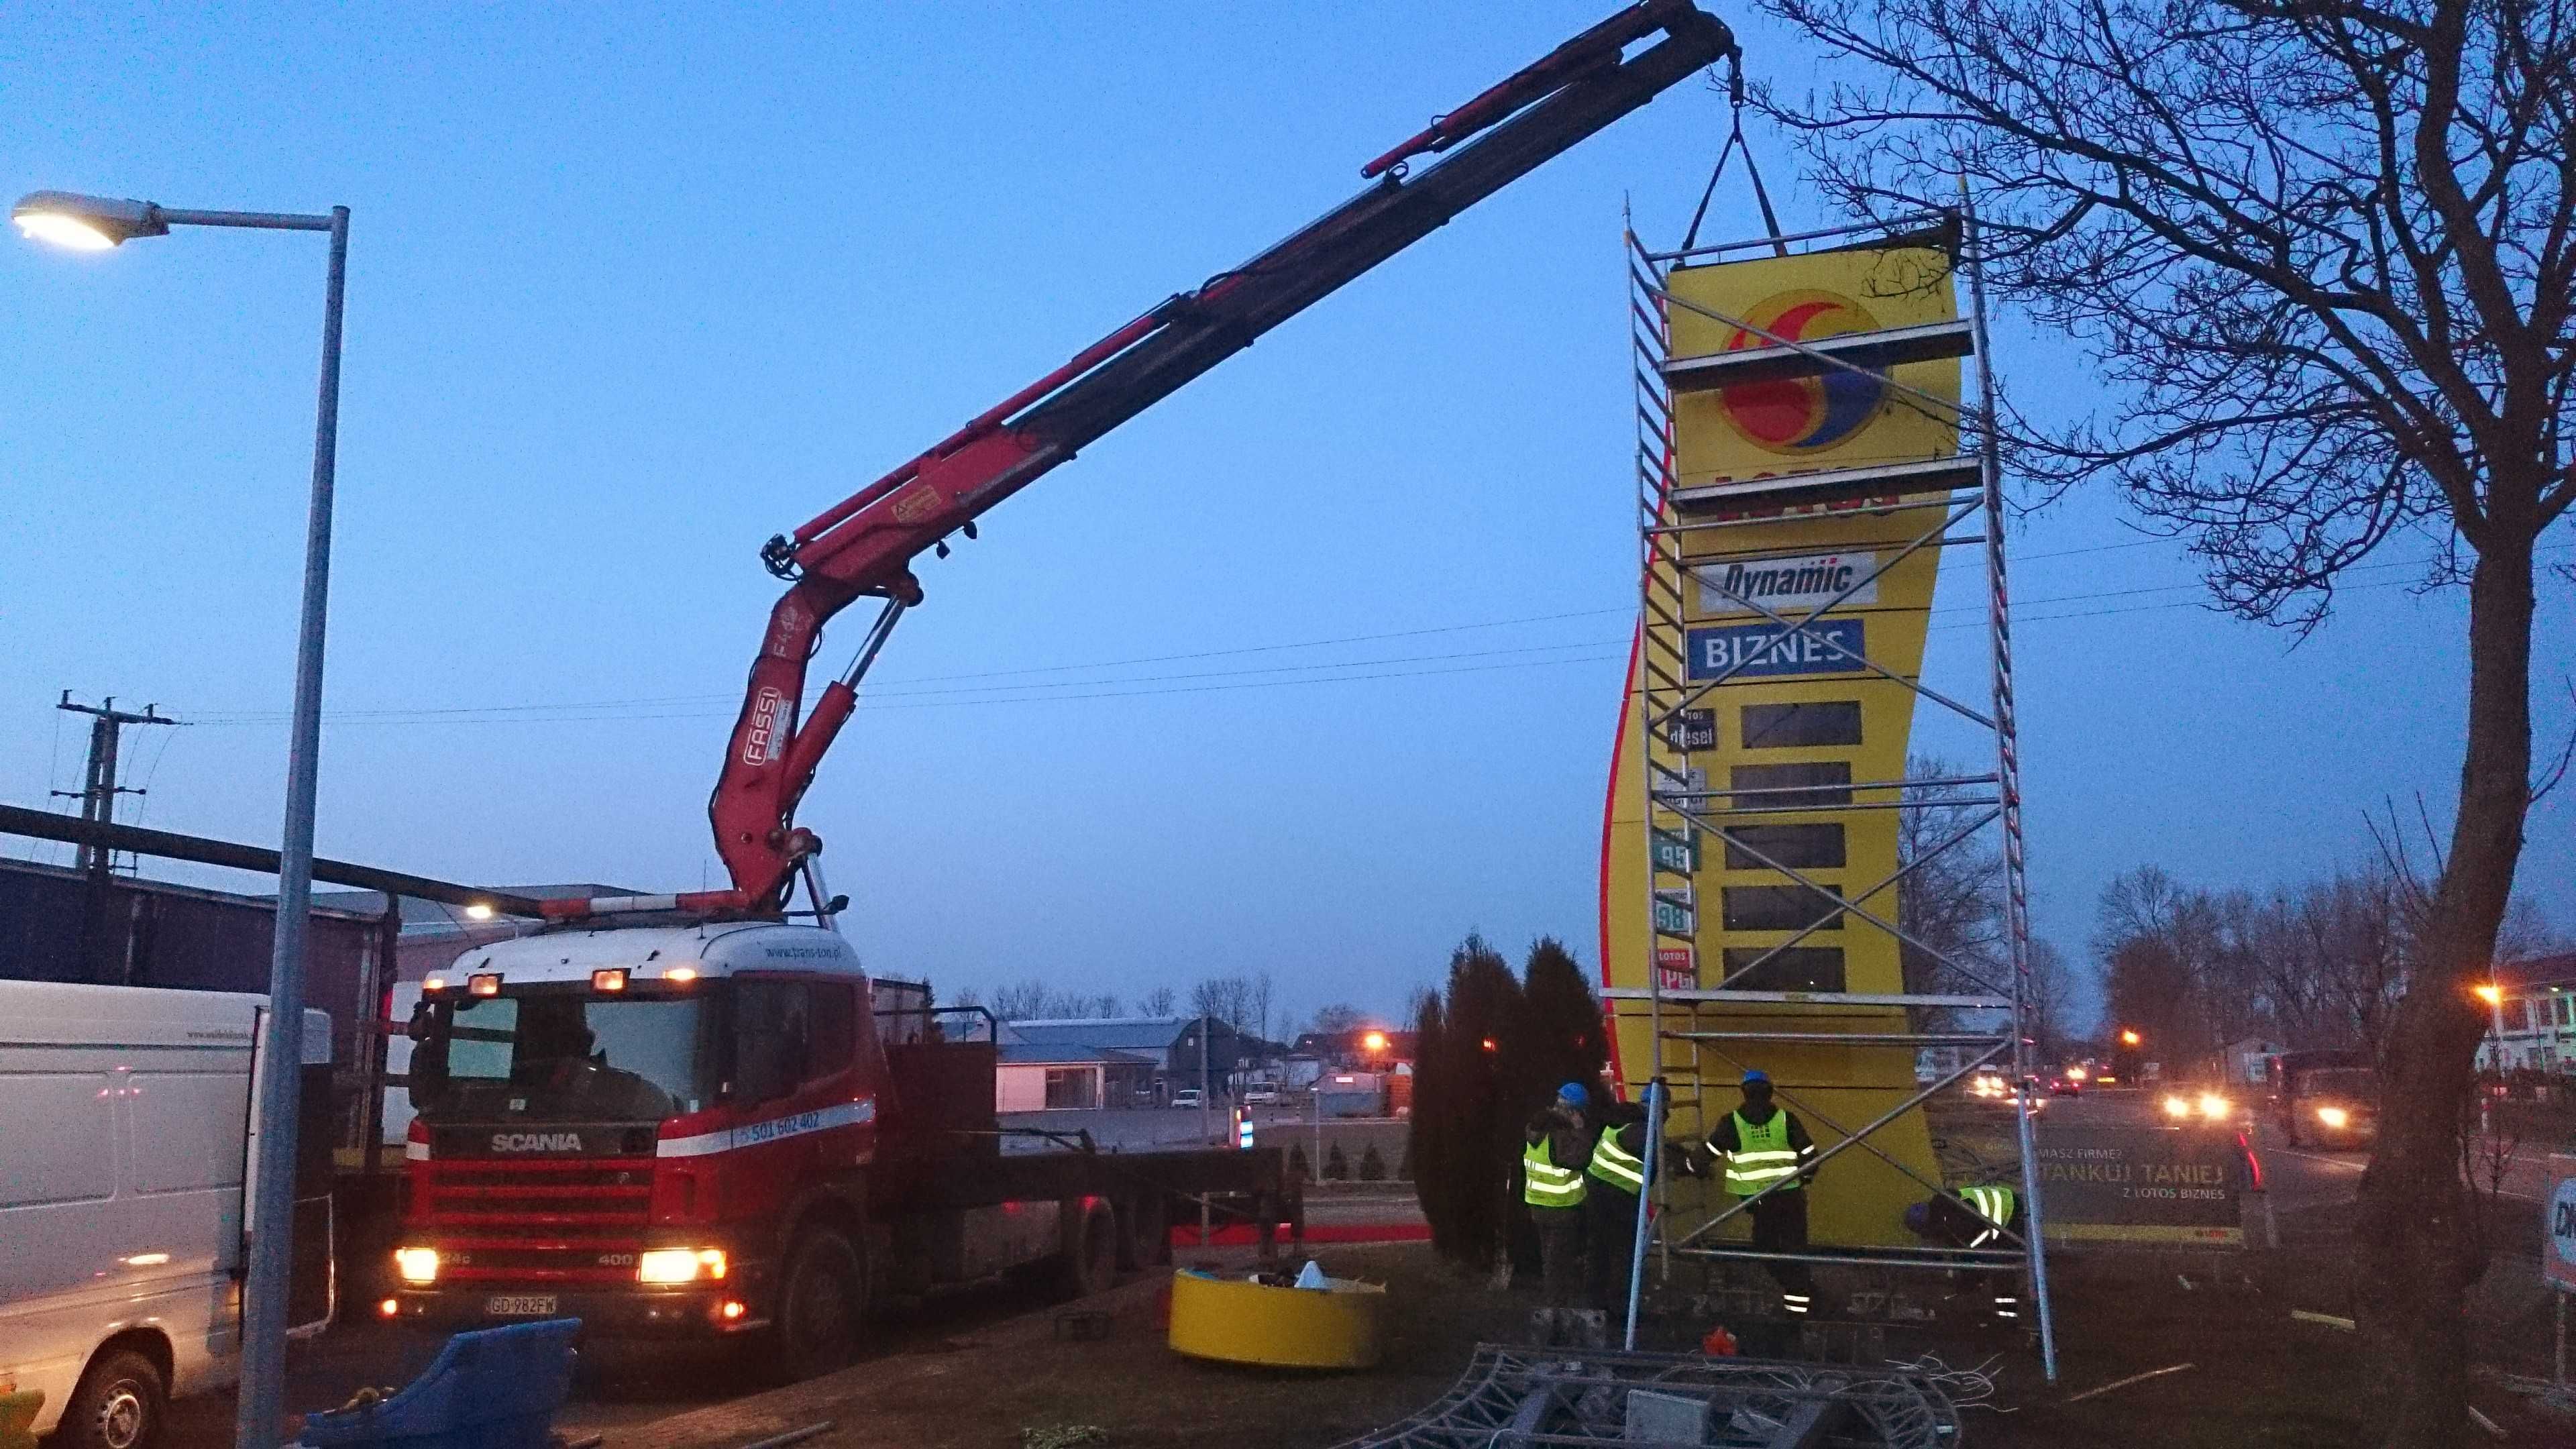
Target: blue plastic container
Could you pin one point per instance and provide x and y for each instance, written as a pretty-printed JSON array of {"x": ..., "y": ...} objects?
[{"x": 495, "y": 1388}]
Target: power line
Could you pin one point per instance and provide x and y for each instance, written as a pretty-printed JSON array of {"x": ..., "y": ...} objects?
[{"x": 917, "y": 691}]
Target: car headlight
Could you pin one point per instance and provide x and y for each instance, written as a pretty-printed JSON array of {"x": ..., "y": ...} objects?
[
  {"x": 679, "y": 1265},
  {"x": 417, "y": 1265},
  {"x": 2334, "y": 1116},
  {"x": 2214, "y": 1106},
  {"x": 2177, "y": 1107}
]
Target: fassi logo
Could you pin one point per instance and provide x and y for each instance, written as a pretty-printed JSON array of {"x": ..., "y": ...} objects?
[
  {"x": 760, "y": 743},
  {"x": 536, "y": 1142}
]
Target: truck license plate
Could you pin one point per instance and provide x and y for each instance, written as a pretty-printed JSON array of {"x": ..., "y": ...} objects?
[{"x": 520, "y": 1305}]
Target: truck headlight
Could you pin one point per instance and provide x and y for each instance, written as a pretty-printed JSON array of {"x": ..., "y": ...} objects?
[
  {"x": 2334, "y": 1117},
  {"x": 679, "y": 1265},
  {"x": 2177, "y": 1107},
  {"x": 417, "y": 1265},
  {"x": 2214, "y": 1106}
]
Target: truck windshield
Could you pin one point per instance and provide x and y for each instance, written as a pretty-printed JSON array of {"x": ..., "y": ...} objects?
[
  {"x": 2356, "y": 1083},
  {"x": 563, "y": 1058}
]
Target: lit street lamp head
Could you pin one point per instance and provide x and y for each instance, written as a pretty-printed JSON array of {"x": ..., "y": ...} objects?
[{"x": 86, "y": 223}]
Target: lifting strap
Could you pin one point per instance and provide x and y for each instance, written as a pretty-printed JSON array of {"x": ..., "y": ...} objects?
[{"x": 1735, "y": 142}]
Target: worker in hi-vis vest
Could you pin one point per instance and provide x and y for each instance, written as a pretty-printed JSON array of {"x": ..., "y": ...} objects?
[
  {"x": 1618, "y": 1173},
  {"x": 1554, "y": 1152},
  {"x": 1980, "y": 1215},
  {"x": 1762, "y": 1143}
]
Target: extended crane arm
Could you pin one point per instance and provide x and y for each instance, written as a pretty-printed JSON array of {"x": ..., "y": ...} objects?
[{"x": 864, "y": 546}]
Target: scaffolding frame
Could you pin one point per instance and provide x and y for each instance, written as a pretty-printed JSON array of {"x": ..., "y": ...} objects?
[{"x": 1952, "y": 490}]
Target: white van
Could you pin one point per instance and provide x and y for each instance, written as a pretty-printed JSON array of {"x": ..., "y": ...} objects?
[{"x": 124, "y": 1134}]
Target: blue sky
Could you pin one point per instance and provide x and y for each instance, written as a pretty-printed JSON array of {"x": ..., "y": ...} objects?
[{"x": 631, "y": 289}]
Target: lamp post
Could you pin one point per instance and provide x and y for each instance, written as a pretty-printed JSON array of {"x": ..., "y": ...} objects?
[
  {"x": 2492, "y": 993},
  {"x": 94, "y": 223}
]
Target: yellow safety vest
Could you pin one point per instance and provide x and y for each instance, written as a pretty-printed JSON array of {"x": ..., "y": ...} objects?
[
  {"x": 1995, "y": 1205},
  {"x": 1547, "y": 1185},
  {"x": 1616, "y": 1165},
  {"x": 1762, "y": 1155}
]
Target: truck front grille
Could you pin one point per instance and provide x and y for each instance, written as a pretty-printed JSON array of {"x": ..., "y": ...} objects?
[{"x": 569, "y": 1220}]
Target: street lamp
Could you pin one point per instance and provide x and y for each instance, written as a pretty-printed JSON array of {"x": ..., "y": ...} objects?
[
  {"x": 1373, "y": 1043},
  {"x": 2130, "y": 1038},
  {"x": 97, "y": 223}
]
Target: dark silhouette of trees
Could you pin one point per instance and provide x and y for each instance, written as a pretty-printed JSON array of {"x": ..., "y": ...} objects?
[
  {"x": 1565, "y": 1040},
  {"x": 2323, "y": 254},
  {"x": 1470, "y": 1097}
]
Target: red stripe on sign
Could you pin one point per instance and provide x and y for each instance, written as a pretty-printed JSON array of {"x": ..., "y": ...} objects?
[{"x": 1241, "y": 1235}]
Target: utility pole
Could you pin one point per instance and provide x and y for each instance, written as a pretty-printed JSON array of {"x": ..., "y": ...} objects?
[
  {"x": 99, "y": 791},
  {"x": 105, "y": 959}
]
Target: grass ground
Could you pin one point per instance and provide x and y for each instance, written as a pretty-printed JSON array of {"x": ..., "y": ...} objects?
[{"x": 2258, "y": 1377}]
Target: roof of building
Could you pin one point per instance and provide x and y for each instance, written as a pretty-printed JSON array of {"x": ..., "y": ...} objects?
[
  {"x": 1036, "y": 1054},
  {"x": 2556, "y": 969},
  {"x": 1117, "y": 1033}
]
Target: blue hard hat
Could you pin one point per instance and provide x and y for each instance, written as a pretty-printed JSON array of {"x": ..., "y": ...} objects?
[
  {"x": 1573, "y": 1095},
  {"x": 1756, "y": 1075}
]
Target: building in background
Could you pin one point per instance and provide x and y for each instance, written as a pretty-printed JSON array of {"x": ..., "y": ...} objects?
[
  {"x": 1045, "y": 1077},
  {"x": 2247, "y": 1062},
  {"x": 1137, "y": 1061},
  {"x": 2532, "y": 1026},
  {"x": 1360, "y": 1049}
]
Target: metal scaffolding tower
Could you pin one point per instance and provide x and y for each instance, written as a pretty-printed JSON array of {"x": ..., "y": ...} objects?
[{"x": 1981, "y": 1009}]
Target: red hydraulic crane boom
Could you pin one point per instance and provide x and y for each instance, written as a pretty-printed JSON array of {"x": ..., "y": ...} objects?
[{"x": 863, "y": 546}]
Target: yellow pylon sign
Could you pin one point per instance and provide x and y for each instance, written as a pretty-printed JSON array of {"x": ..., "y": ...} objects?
[{"x": 1744, "y": 705}]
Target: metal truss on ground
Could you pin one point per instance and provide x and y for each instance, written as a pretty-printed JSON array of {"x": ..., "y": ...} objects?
[
  {"x": 1529, "y": 1396},
  {"x": 1940, "y": 496}
]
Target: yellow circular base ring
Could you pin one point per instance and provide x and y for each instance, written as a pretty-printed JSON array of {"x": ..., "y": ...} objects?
[{"x": 1237, "y": 1321}]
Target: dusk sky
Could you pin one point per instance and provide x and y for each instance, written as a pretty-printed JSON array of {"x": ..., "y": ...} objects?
[{"x": 1312, "y": 669}]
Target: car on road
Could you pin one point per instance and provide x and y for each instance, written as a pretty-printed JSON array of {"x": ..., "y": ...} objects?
[
  {"x": 2064, "y": 1085},
  {"x": 1262, "y": 1095},
  {"x": 1186, "y": 1097},
  {"x": 2331, "y": 1107},
  {"x": 2208, "y": 1105}
]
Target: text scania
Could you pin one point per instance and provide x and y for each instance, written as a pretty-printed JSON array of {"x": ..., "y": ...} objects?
[
  {"x": 1783, "y": 584},
  {"x": 536, "y": 1142},
  {"x": 1828, "y": 646}
]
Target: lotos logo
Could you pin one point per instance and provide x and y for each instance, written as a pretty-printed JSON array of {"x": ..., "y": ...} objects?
[
  {"x": 536, "y": 1142},
  {"x": 760, "y": 742},
  {"x": 1799, "y": 416}
]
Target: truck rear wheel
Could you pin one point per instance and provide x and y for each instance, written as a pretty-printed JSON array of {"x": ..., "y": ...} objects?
[
  {"x": 121, "y": 1403},
  {"x": 1146, "y": 1231},
  {"x": 822, "y": 1299},
  {"x": 1090, "y": 1262}
]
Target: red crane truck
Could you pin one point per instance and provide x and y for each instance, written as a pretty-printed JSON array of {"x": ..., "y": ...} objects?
[{"x": 695, "y": 1114}]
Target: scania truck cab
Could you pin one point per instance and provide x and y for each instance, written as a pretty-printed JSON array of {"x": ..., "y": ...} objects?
[{"x": 719, "y": 1128}]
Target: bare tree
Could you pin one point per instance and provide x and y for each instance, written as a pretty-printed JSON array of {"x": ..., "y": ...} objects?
[
  {"x": 1950, "y": 896},
  {"x": 1260, "y": 1002},
  {"x": 1161, "y": 1001},
  {"x": 2052, "y": 992},
  {"x": 1226, "y": 998},
  {"x": 1034, "y": 1000},
  {"x": 2324, "y": 254},
  {"x": 1336, "y": 1018},
  {"x": 1021, "y": 1000}
]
